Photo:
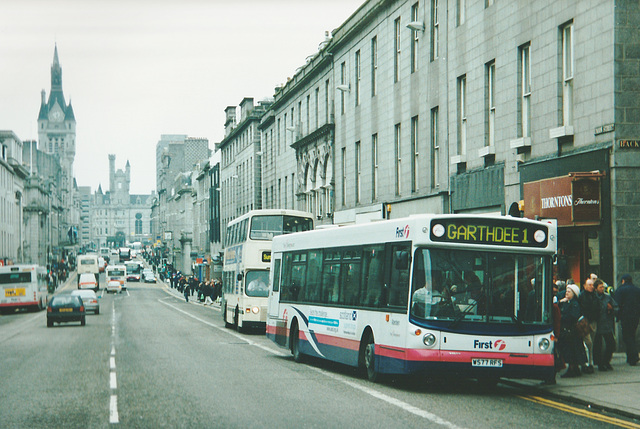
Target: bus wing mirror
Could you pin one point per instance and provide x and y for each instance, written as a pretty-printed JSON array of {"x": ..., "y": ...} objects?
[{"x": 239, "y": 277}]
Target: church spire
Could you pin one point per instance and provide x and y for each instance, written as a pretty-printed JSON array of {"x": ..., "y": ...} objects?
[{"x": 56, "y": 71}]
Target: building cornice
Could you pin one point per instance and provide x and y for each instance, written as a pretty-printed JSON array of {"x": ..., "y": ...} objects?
[{"x": 313, "y": 136}]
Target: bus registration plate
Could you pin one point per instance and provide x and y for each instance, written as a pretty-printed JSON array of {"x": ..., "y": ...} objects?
[{"x": 497, "y": 363}]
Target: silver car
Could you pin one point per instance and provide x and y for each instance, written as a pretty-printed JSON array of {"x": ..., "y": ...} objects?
[{"x": 89, "y": 299}]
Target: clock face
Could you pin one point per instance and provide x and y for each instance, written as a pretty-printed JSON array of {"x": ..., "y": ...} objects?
[{"x": 56, "y": 115}]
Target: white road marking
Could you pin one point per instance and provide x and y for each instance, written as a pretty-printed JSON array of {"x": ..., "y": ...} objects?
[
  {"x": 225, "y": 330},
  {"x": 113, "y": 404},
  {"x": 389, "y": 399},
  {"x": 113, "y": 410},
  {"x": 112, "y": 381},
  {"x": 371, "y": 392}
]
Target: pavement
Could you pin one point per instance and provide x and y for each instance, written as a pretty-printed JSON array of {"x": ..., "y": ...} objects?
[{"x": 616, "y": 391}]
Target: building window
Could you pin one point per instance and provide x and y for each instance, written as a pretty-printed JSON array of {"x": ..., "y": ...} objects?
[
  {"x": 344, "y": 175},
  {"x": 308, "y": 114},
  {"x": 374, "y": 167},
  {"x": 398, "y": 157},
  {"x": 490, "y": 103},
  {"x": 524, "y": 91},
  {"x": 317, "y": 107},
  {"x": 414, "y": 39},
  {"x": 357, "y": 77},
  {"x": 374, "y": 66},
  {"x": 396, "y": 50},
  {"x": 357, "y": 171},
  {"x": 435, "y": 30},
  {"x": 435, "y": 149},
  {"x": 326, "y": 101},
  {"x": 415, "y": 168},
  {"x": 567, "y": 74},
  {"x": 462, "y": 115},
  {"x": 461, "y": 14},
  {"x": 343, "y": 76}
]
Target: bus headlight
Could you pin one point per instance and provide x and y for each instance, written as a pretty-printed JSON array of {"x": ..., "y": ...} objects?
[
  {"x": 429, "y": 340},
  {"x": 255, "y": 310},
  {"x": 544, "y": 344}
]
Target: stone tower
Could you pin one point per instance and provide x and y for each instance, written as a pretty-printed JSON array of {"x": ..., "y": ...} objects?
[{"x": 57, "y": 130}]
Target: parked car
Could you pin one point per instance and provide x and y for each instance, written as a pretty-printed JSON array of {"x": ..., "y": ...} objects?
[
  {"x": 65, "y": 308},
  {"x": 89, "y": 299},
  {"x": 114, "y": 286},
  {"x": 88, "y": 281},
  {"x": 148, "y": 276}
]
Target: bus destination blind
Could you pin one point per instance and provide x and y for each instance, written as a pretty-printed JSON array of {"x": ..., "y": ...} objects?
[{"x": 498, "y": 232}]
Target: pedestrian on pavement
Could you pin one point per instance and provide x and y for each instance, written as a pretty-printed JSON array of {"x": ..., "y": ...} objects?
[
  {"x": 187, "y": 291},
  {"x": 571, "y": 346},
  {"x": 605, "y": 329},
  {"x": 590, "y": 307},
  {"x": 628, "y": 298}
]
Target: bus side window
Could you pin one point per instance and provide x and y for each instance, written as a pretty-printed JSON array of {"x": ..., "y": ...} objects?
[
  {"x": 285, "y": 294},
  {"x": 313, "y": 284},
  {"x": 276, "y": 275},
  {"x": 372, "y": 276}
]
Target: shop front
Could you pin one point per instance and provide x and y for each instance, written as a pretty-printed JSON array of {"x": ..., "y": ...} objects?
[{"x": 575, "y": 194}]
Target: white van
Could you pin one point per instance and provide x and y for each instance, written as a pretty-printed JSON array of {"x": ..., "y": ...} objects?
[{"x": 87, "y": 281}]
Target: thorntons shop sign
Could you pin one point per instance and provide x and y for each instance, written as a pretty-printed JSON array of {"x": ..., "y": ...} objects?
[{"x": 572, "y": 199}]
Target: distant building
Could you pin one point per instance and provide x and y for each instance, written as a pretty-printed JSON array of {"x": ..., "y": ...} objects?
[
  {"x": 178, "y": 158},
  {"x": 57, "y": 136},
  {"x": 12, "y": 199},
  {"x": 241, "y": 160},
  {"x": 117, "y": 216}
]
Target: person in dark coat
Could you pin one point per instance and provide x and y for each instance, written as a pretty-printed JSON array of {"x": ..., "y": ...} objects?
[
  {"x": 570, "y": 344},
  {"x": 628, "y": 298},
  {"x": 606, "y": 326},
  {"x": 590, "y": 307}
]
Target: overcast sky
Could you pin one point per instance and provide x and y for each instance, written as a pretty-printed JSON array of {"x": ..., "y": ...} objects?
[{"x": 136, "y": 69}]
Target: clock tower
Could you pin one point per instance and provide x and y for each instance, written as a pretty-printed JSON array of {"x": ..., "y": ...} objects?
[{"x": 57, "y": 133}]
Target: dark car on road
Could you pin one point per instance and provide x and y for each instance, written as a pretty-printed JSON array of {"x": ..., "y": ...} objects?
[{"x": 65, "y": 308}]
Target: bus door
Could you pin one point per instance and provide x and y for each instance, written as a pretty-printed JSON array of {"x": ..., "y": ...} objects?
[
  {"x": 396, "y": 291},
  {"x": 273, "y": 310}
]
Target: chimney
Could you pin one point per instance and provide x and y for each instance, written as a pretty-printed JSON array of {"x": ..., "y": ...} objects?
[
  {"x": 230, "y": 121},
  {"x": 246, "y": 106}
]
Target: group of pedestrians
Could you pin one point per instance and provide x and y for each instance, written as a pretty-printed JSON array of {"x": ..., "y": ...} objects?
[
  {"x": 206, "y": 291},
  {"x": 586, "y": 328}
]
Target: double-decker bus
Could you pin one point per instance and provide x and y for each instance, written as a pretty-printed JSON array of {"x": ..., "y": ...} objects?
[
  {"x": 428, "y": 294},
  {"x": 23, "y": 286},
  {"x": 247, "y": 258}
]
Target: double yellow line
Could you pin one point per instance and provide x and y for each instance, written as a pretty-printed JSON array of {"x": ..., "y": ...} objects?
[{"x": 583, "y": 413}]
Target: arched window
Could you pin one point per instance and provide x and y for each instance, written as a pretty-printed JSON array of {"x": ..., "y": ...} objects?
[{"x": 138, "y": 223}]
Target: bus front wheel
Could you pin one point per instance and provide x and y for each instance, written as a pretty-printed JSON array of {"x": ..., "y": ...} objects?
[
  {"x": 369, "y": 358},
  {"x": 295, "y": 344},
  {"x": 236, "y": 320},
  {"x": 224, "y": 317}
]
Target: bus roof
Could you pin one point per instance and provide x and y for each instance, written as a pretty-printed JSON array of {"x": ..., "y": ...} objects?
[
  {"x": 460, "y": 230},
  {"x": 271, "y": 212}
]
